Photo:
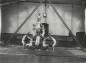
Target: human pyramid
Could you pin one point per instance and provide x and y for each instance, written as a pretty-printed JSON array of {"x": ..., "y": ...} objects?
[{"x": 39, "y": 37}]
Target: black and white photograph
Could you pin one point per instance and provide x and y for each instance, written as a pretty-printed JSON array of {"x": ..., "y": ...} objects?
[{"x": 42, "y": 31}]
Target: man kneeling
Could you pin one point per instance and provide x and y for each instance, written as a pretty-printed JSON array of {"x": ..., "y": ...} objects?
[{"x": 27, "y": 41}]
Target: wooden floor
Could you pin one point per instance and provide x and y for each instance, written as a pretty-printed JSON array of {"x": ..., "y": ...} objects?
[{"x": 19, "y": 55}]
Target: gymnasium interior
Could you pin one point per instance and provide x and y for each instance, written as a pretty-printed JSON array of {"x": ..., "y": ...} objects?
[{"x": 66, "y": 23}]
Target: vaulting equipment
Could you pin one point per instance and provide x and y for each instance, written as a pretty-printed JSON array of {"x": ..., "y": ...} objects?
[{"x": 77, "y": 41}]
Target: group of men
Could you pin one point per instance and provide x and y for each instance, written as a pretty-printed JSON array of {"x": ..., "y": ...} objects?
[{"x": 38, "y": 39}]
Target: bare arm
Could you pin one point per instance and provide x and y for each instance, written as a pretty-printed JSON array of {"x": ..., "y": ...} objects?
[
  {"x": 54, "y": 40},
  {"x": 23, "y": 38}
]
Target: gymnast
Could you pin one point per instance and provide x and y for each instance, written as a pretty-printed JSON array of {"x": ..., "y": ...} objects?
[{"x": 27, "y": 41}]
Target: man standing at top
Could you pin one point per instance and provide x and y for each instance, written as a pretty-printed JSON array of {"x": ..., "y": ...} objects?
[
  {"x": 38, "y": 30},
  {"x": 38, "y": 24}
]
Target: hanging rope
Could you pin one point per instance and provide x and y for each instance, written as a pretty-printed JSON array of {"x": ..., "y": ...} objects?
[
  {"x": 45, "y": 5},
  {"x": 24, "y": 22},
  {"x": 45, "y": 11},
  {"x": 77, "y": 41}
]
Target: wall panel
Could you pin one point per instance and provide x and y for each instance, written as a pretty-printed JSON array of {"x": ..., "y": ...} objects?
[
  {"x": 77, "y": 20},
  {"x": 65, "y": 12},
  {"x": 9, "y": 18}
]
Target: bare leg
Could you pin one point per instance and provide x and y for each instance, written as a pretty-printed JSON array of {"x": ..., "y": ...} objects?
[
  {"x": 54, "y": 42},
  {"x": 37, "y": 40}
]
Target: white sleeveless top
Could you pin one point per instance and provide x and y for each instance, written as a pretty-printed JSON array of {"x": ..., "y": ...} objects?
[{"x": 38, "y": 25}]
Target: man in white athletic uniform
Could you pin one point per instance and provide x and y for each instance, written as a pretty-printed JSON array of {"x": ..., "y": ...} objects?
[{"x": 27, "y": 41}]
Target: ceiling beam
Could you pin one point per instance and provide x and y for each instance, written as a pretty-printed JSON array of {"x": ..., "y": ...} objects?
[
  {"x": 76, "y": 2},
  {"x": 54, "y": 2}
]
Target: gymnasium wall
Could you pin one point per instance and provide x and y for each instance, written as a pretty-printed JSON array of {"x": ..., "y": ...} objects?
[{"x": 13, "y": 15}]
